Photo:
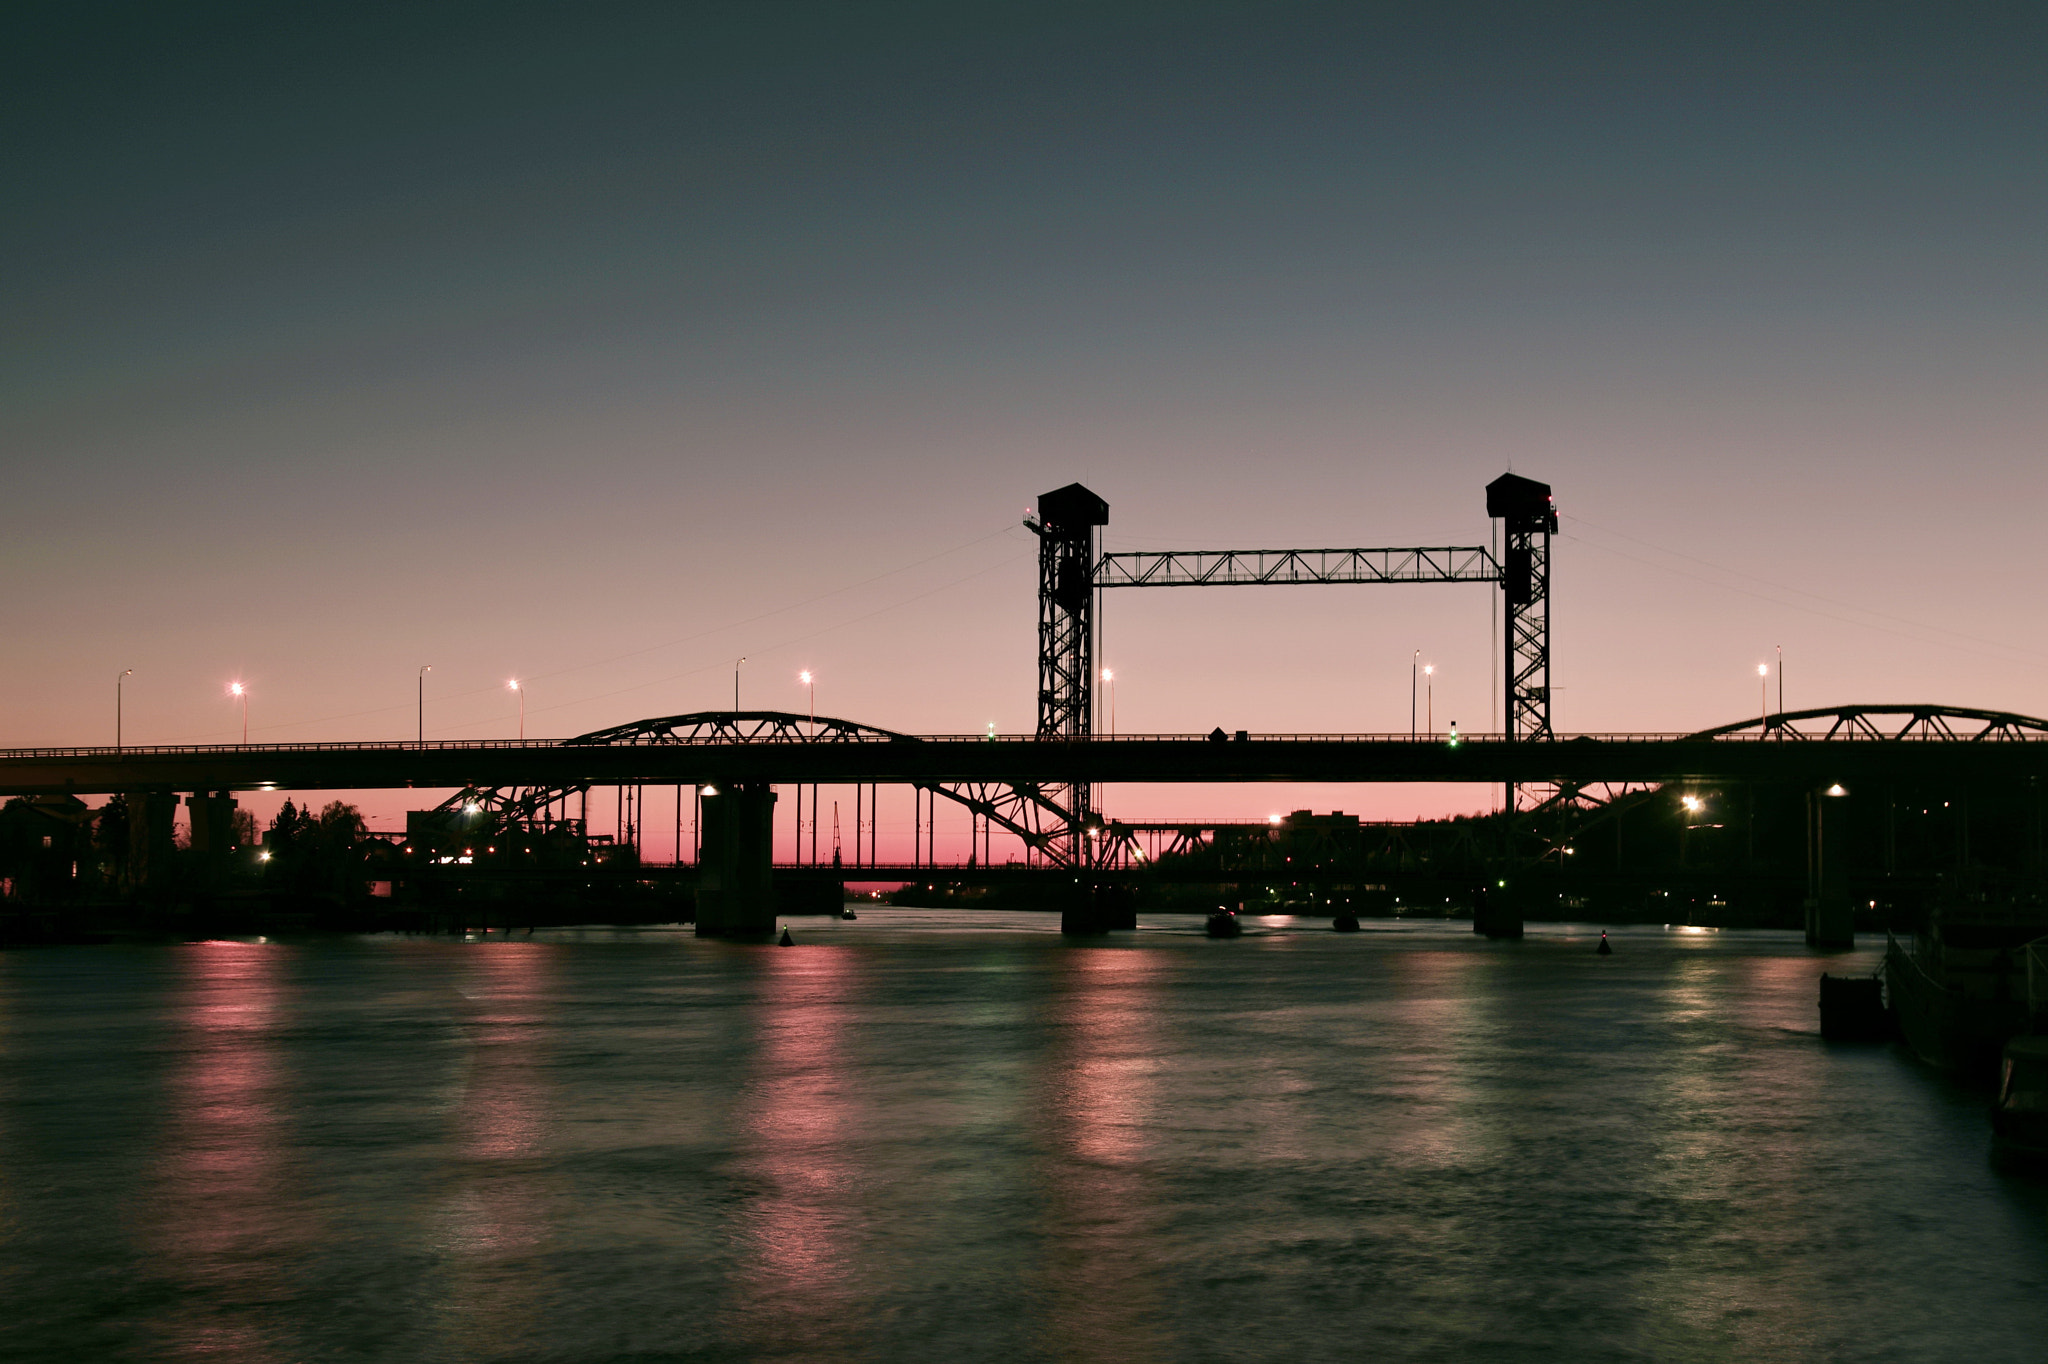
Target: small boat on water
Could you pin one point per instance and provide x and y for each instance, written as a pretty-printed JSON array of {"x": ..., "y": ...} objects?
[
  {"x": 1961, "y": 989},
  {"x": 847, "y": 913},
  {"x": 1223, "y": 924},
  {"x": 2019, "y": 1116}
]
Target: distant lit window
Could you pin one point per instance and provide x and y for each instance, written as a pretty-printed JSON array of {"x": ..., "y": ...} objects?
[{"x": 46, "y": 840}]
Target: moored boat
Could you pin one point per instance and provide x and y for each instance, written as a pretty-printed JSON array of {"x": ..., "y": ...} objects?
[
  {"x": 2019, "y": 1115},
  {"x": 1959, "y": 990}
]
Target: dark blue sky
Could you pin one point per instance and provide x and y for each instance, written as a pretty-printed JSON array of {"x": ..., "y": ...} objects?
[{"x": 592, "y": 345}]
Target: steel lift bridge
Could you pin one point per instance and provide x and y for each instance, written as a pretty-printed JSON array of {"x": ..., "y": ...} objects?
[
  {"x": 1055, "y": 820},
  {"x": 1072, "y": 572}
]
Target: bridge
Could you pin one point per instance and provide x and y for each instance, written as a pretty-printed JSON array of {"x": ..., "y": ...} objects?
[
  {"x": 1039, "y": 788},
  {"x": 707, "y": 748},
  {"x": 739, "y": 758}
]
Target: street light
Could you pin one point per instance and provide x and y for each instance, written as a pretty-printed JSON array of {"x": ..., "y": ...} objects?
[
  {"x": 514, "y": 685},
  {"x": 1429, "y": 685},
  {"x": 117, "y": 707},
  {"x": 736, "y": 683},
  {"x": 1763, "y": 694},
  {"x": 1411, "y": 691},
  {"x": 1781, "y": 687},
  {"x": 425, "y": 668},
  {"x": 811, "y": 684},
  {"x": 238, "y": 690},
  {"x": 1109, "y": 676}
]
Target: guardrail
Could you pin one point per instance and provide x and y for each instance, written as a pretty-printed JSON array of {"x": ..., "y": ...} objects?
[{"x": 552, "y": 745}]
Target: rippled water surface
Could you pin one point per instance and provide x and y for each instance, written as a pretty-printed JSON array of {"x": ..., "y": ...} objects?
[{"x": 933, "y": 1137}]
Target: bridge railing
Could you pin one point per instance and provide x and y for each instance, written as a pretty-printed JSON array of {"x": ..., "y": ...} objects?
[{"x": 716, "y": 741}]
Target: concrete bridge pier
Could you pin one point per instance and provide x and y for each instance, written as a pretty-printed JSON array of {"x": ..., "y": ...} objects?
[
  {"x": 735, "y": 881},
  {"x": 213, "y": 832},
  {"x": 1496, "y": 910},
  {"x": 1830, "y": 913},
  {"x": 150, "y": 843},
  {"x": 1101, "y": 907}
]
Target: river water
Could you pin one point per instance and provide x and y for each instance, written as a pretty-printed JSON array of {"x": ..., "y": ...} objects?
[{"x": 932, "y": 1136}]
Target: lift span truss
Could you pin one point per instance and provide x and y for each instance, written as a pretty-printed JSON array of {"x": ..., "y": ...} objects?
[
  {"x": 1252, "y": 567},
  {"x": 1523, "y": 506}
]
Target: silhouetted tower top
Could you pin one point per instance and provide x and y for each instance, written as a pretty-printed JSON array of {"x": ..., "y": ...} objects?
[
  {"x": 1071, "y": 509},
  {"x": 1523, "y": 503}
]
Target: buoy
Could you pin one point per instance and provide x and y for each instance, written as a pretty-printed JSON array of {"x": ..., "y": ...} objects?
[
  {"x": 787, "y": 941},
  {"x": 1603, "y": 949},
  {"x": 1346, "y": 922}
]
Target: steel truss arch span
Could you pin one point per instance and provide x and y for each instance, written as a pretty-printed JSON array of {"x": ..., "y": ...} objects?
[
  {"x": 1586, "y": 805},
  {"x": 1025, "y": 810},
  {"x": 1946, "y": 724}
]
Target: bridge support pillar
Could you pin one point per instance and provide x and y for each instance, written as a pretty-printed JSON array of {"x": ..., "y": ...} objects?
[
  {"x": 1830, "y": 913},
  {"x": 735, "y": 883},
  {"x": 1104, "y": 907},
  {"x": 213, "y": 833},
  {"x": 1496, "y": 911},
  {"x": 150, "y": 842}
]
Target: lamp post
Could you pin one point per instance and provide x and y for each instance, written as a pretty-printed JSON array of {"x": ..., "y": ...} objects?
[
  {"x": 117, "y": 707},
  {"x": 1781, "y": 687},
  {"x": 1412, "y": 662},
  {"x": 421, "y": 736},
  {"x": 1429, "y": 690},
  {"x": 514, "y": 685},
  {"x": 1109, "y": 676},
  {"x": 736, "y": 682},
  {"x": 810, "y": 684},
  {"x": 236, "y": 689},
  {"x": 1763, "y": 695}
]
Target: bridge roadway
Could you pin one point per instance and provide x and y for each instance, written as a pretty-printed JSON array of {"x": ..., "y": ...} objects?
[{"x": 973, "y": 758}]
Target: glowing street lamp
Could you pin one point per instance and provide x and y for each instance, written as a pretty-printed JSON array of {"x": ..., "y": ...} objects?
[
  {"x": 425, "y": 668},
  {"x": 811, "y": 684},
  {"x": 514, "y": 685},
  {"x": 241, "y": 692},
  {"x": 736, "y": 682},
  {"x": 1429, "y": 685},
  {"x": 1109, "y": 676},
  {"x": 117, "y": 706},
  {"x": 1763, "y": 694}
]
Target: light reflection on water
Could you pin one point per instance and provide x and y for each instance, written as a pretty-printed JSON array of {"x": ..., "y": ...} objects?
[
  {"x": 218, "y": 1219},
  {"x": 799, "y": 1129},
  {"x": 977, "y": 1140},
  {"x": 497, "y": 1189}
]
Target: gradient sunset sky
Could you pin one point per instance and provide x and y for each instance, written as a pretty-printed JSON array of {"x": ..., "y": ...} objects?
[{"x": 599, "y": 345}]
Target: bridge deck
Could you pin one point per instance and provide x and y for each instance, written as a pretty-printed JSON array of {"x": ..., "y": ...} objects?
[{"x": 976, "y": 758}]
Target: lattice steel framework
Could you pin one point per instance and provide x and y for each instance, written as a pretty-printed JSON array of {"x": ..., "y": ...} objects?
[
  {"x": 1528, "y": 519},
  {"x": 1035, "y": 815},
  {"x": 1296, "y": 567},
  {"x": 1523, "y": 573},
  {"x": 1066, "y": 525},
  {"x": 1571, "y": 808}
]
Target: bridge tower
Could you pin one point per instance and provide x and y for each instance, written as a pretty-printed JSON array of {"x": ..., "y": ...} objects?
[
  {"x": 1531, "y": 517},
  {"x": 1068, "y": 519}
]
